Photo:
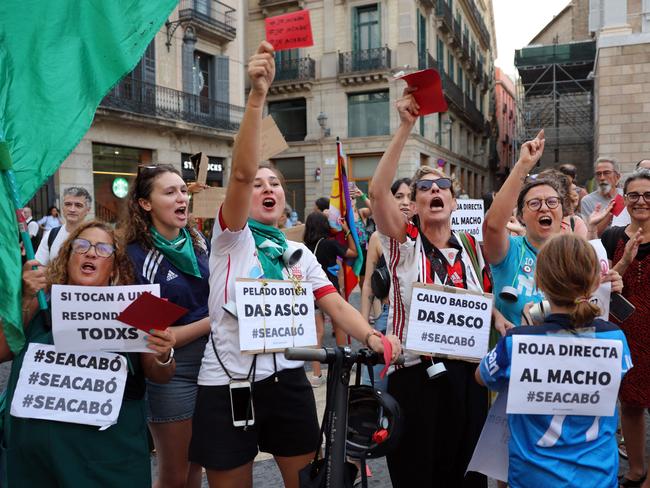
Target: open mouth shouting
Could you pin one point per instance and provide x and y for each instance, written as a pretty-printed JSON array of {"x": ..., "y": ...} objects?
[
  {"x": 545, "y": 221},
  {"x": 268, "y": 203},
  {"x": 436, "y": 203},
  {"x": 181, "y": 212},
  {"x": 88, "y": 267}
]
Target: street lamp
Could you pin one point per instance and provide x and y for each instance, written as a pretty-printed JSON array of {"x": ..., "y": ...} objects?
[{"x": 322, "y": 121}]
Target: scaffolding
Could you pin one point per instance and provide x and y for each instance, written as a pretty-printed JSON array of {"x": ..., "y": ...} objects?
[{"x": 557, "y": 82}]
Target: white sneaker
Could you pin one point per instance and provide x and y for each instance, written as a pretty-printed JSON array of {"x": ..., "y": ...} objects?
[{"x": 316, "y": 381}]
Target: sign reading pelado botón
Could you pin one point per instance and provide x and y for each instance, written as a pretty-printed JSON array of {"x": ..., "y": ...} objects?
[
  {"x": 65, "y": 387},
  {"x": 274, "y": 315},
  {"x": 84, "y": 318},
  {"x": 564, "y": 375},
  {"x": 449, "y": 321}
]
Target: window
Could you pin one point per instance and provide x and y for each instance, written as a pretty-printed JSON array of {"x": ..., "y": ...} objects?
[
  {"x": 450, "y": 65},
  {"x": 362, "y": 168},
  {"x": 440, "y": 54},
  {"x": 202, "y": 79},
  {"x": 422, "y": 40},
  {"x": 439, "y": 133},
  {"x": 291, "y": 118},
  {"x": 368, "y": 114},
  {"x": 366, "y": 29},
  {"x": 460, "y": 76}
]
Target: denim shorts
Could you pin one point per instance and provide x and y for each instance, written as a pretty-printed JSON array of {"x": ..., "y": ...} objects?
[
  {"x": 380, "y": 324},
  {"x": 174, "y": 401}
]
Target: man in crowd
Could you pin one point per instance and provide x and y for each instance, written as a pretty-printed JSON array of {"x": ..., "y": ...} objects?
[
  {"x": 76, "y": 204},
  {"x": 607, "y": 175},
  {"x": 643, "y": 164}
]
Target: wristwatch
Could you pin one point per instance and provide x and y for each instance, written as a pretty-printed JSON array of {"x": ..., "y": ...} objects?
[{"x": 169, "y": 359}]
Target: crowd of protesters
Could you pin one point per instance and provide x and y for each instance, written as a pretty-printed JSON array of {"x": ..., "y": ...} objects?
[{"x": 534, "y": 250}]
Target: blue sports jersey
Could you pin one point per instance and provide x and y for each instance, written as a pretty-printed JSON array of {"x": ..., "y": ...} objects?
[
  {"x": 190, "y": 292},
  {"x": 561, "y": 450},
  {"x": 517, "y": 270}
]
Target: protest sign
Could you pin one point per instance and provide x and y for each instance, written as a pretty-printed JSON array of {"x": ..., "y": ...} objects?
[
  {"x": 468, "y": 217},
  {"x": 271, "y": 139},
  {"x": 295, "y": 233},
  {"x": 289, "y": 31},
  {"x": 428, "y": 94},
  {"x": 450, "y": 321},
  {"x": 206, "y": 203},
  {"x": 491, "y": 455},
  {"x": 67, "y": 387},
  {"x": 84, "y": 318},
  {"x": 274, "y": 315},
  {"x": 602, "y": 295},
  {"x": 564, "y": 375}
]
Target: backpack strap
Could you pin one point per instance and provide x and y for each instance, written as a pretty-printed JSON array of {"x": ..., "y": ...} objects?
[
  {"x": 470, "y": 249},
  {"x": 51, "y": 236}
]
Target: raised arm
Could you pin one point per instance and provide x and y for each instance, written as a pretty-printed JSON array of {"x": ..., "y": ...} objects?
[
  {"x": 495, "y": 233},
  {"x": 388, "y": 218},
  {"x": 246, "y": 151}
]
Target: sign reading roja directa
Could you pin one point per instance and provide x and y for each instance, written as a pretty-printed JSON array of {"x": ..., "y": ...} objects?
[
  {"x": 449, "y": 321},
  {"x": 84, "y": 318}
]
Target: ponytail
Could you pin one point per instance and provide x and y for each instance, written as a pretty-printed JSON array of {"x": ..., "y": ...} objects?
[{"x": 584, "y": 313}]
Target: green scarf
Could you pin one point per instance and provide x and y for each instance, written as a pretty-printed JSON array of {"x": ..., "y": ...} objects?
[
  {"x": 271, "y": 244},
  {"x": 180, "y": 251}
]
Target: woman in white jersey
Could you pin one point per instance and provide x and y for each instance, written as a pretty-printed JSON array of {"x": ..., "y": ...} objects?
[{"x": 247, "y": 243}]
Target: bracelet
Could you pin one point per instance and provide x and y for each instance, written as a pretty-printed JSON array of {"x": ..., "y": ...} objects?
[
  {"x": 364, "y": 197},
  {"x": 169, "y": 359},
  {"x": 373, "y": 332},
  {"x": 347, "y": 234}
]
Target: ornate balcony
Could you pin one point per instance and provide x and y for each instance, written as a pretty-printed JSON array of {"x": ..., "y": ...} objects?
[
  {"x": 484, "y": 34},
  {"x": 140, "y": 98},
  {"x": 211, "y": 19},
  {"x": 294, "y": 75},
  {"x": 444, "y": 18},
  {"x": 364, "y": 65}
]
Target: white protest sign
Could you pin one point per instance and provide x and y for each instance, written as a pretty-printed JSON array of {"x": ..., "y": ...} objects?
[
  {"x": 449, "y": 321},
  {"x": 564, "y": 375},
  {"x": 84, "y": 318},
  {"x": 468, "y": 217},
  {"x": 64, "y": 387},
  {"x": 602, "y": 295},
  {"x": 274, "y": 315},
  {"x": 491, "y": 454}
]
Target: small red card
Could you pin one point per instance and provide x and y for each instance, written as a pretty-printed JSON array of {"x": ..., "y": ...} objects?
[
  {"x": 150, "y": 312},
  {"x": 619, "y": 205},
  {"x": 289, "y": 31},
  {"x": 429, "y": 90}
]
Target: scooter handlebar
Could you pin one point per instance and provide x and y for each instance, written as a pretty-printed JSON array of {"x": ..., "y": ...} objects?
[{"x": 325, "y": 355}]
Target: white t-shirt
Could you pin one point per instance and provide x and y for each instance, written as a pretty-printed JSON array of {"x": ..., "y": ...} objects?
[
  {"x": 32, "y": 227},
  {"x": 234, "y": 256},
  {"x": 45, "y": 254}
]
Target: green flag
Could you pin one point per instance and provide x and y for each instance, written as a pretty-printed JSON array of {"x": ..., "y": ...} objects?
[{"x": 58, "y": 59}]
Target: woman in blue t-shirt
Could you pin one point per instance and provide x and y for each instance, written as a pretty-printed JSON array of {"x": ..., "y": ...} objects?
[
  {"x": 165, "y": 249},
  {"x": 561, "y": 450}
]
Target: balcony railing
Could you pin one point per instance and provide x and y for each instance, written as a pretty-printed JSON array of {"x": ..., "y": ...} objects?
[
  {"x": 444, "y": 16},
  {"x": 465, "y": 50},
  {"x": 452, "y": 91},
  {"x": 302, "y": 69},
  {"x": 211, "y": 18},
  {"x": 457, "y": 38},
  {"x": 143, "y": 98},
  {"x": 473, "y": 114},
  {"x": 476, "y": 16},
  {"x": 376, "y": 59}
]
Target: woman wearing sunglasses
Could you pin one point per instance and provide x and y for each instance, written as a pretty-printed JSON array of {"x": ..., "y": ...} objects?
[
  {"x": 628, "y": 249},
  {"x": 443, "y": 416},
  {"x": 165, "y": 249},
  {"x": 51, "y": 453}
]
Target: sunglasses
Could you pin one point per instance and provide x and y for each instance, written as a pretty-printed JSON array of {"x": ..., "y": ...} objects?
[
  {"x": 535, "y": 204},
  {"x": 426, "y": 185},
  {"x": 102, "y": 249},
  {"x": 146, "y": 167}
]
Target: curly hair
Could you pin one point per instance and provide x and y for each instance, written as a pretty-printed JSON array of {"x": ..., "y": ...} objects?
[
  {"x": 135, "y": 224},
  {"x": 57, "y": 271}
]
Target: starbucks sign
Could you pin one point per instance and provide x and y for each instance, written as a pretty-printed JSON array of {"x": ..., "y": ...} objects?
[{"x": 120, "y": 187}]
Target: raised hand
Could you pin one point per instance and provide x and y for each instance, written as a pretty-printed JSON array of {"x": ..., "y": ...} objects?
[
  {"x": 261, "y": 69},
  {"x": 599, "y": 214},
  {"x": 532, "y": 151},
  {"x": 632, "y": 247},
  {"x": 407, "y": 108},
  {"x": 34, "y": 280}
]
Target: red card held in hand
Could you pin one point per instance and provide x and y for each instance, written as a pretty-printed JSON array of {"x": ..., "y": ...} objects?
[
  {"x": 429, "y": 90},
  {"x": 619, "y": 205},
  {"x": 289, "y": 31},
  {"x": 150, "y": 312}
]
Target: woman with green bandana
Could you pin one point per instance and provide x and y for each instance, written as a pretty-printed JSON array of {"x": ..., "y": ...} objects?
[
  {"x": 165, "y": 249},
  {"x": 248, "y": 244}
]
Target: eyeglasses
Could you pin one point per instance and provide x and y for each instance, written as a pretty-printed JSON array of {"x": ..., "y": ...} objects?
[
  {"x": 634, "y": 196},
  {"x": 535, "y": 204},
  {"x": 606, "y": 173},
  {"x": 425, "y": 185},
  {"x": 102, "y": 249}
]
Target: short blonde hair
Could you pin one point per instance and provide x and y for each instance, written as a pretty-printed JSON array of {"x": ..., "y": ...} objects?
[{"x": 426, "y": 170}]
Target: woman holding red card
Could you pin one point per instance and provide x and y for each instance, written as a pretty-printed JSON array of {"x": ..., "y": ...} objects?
[
  {"x": 59, "y": 453},
  {"x": 165, "y": 249}
]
